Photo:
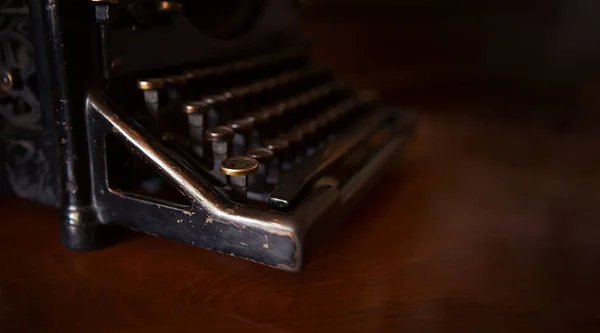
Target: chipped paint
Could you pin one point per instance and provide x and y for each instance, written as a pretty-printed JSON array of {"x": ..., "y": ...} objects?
[
  {"x": 180, "y": 221},
  {"x": 266, "y": 246},
  {"x": 209, "y": 219},
  {"x": 188, "y": 213},
  {"x": 245, "y": 244}
]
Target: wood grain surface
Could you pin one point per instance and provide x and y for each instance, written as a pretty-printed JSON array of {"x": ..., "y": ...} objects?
[{"x": 490, "y": 225}]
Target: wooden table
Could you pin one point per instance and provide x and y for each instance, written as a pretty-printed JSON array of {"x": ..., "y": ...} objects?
[{"x": 491, "y": 225}]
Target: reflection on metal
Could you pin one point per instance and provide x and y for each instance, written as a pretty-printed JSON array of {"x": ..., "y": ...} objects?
[
  {"x": 6, "y": 82},
  {"x": 244, "y": 147},
  {"x": 280, "y": 240}
]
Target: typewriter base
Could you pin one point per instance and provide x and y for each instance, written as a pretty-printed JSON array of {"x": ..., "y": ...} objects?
[{"x": 277, "y": 239}]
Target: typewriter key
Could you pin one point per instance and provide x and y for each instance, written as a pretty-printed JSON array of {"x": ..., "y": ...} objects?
[
  {"x": 170, "y": 6},
  {"x": 220, "y": 139},
  {"x": 279, "y": 147},
  {"x": 243, "y": 131},
  {"x": 154, "y": 96},
  {"x": 260, "y": 121},
  {"x": 238, "y": 168},
  {"x": 264, "y": 156},
  {"x": 196, "y": 121}
]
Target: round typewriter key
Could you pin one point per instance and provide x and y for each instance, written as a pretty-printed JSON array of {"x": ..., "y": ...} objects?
[
  {"x": 277, "y": 116},
  {"x": 261, "y": 154},
  {"x": 176, "y": 79},
  {"x": 220, "y": 144},
  {"x": 196, "y": 120},
  {"x": 241, "y": 125},
  {"x": 155, "y": 98},
  {"x": 239, "y": 166},
  {"x": 220, "y": 137},
  {"x": 243, "y": 131},
  {"x": 151, "y": 84},
  {"x": 259, "y": 118},
  {"x": 264, "y": 157},
  {"x": 6, "y": 82},
  {"x": 295, "y": 139},
  {"x": 193, "y": 107},
  {"x": 219, "y": 134},
  {"x": 260, "y": 121},
  {"x": 170, "y": 6},
  {"x": 238, "y": 169},
  {"x": 241, "y": 100},
  {"x": 277, "y": 146},
  {"x": 217, "y": 110}
]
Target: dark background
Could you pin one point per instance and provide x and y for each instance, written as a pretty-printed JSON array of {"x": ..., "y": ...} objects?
[{"x": 513, "y": 51}]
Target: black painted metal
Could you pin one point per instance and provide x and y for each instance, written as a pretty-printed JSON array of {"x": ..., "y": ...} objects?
[{"x": 82, "y": 113}]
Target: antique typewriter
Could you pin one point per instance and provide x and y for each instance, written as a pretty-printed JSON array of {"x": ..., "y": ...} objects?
[{"x": 205, "y": 122}]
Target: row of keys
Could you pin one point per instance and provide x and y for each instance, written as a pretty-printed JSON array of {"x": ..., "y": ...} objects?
[
  {"x": 233, "y": 102},
  {"x": 241, "y": 100},
  {"x": 171, "y": 88},
  {"x": 248, "y": 134},
  {"x": 259, "y": 63},
  {"x": 259, "y": 168},
  {"x": 255, "y": 127}
]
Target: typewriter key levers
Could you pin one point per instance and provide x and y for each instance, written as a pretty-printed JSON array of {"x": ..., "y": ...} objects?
[{"x": 256, "y": 156}]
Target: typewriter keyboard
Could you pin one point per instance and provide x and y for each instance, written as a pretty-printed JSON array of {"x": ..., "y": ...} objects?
[{"x": 265, "y": 129}]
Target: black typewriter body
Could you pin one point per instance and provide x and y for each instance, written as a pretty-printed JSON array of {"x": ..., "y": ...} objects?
[{"x": 200, "y": 121}]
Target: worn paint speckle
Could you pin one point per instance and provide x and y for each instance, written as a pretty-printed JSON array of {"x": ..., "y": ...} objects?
[
  {"x": 245, "y": 244},
  {"x": 209, "y": 219},
  {"x": 266, "y": 246},
  {"x": 180, "y": 221},
  {"x": 188, "y": 213}
]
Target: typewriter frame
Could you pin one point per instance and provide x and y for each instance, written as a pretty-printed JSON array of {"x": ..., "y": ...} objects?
[{"x": 80, "y": 117}]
